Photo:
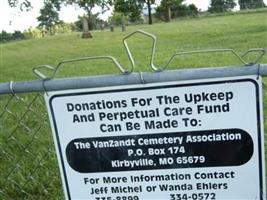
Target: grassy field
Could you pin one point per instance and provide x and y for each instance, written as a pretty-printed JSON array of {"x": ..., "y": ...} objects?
[
  {"x": 30, "y": 181},
  {"x": 239, "y": 32}
]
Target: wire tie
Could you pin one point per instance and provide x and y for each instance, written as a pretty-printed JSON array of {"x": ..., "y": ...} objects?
[{"x": 142, "y": 78}]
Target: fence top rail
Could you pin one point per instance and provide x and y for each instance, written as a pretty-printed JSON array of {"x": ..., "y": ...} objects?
[{"x": 130, "y": 79}]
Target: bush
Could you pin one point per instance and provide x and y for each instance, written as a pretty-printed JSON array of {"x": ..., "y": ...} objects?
[
  {"x": 63, "y": 27},
  {"x": 117, "y": 19},
  {"x": 6, "y": 37},
  {"x": 33, "y": 33},
  {"x": 177, "y": 10},
  {"x": 18, "y": 35}
]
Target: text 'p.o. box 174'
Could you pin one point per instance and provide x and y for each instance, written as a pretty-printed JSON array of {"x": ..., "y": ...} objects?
[{"x": 201, "y": 139}]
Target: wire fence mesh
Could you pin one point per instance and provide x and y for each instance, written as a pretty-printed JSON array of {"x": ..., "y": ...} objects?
[
  {"x": 28, "y": 165},
  {"x": 28, "y": 161}
]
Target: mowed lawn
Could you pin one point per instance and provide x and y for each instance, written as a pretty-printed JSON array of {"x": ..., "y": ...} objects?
[{"x": 238, "y": 31}]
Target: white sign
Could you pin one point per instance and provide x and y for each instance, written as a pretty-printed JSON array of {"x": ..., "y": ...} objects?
[{"x": 201, "y": 139}]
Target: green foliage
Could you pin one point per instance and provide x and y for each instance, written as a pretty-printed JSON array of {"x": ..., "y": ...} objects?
[
  {"x": 221, "y": 5},
  {"x": 22, "y": 4},
  {"x": 149, "y": 3},
  {"x": 192, "y": 9},
  {"x": 183, "y": 10},
  {"x": 33, "y": 33},
  {"x": 57, "y": 3},
  {"x": 251, "y": 4},
  {"x": 117, "y": 19},
  {"x": 88, "y": 6},
  {"x": 129, "y": 8},
  {"x": 63, "y": 27},
  {"x": 49, "y": 17},
  {"x": 59, "y": 28},
  {"x": 6, "y": 37},
  {"x": 170, "y": 3},
  {"x": 78, "y": 25},
  {"x": 133, "y": 8},
  {"x": 96, "y": 23},
  {"x": 175, "y": 9},
  {"x": 18, "y": 35}
]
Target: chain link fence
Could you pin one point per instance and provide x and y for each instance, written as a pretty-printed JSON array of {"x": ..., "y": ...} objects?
[
  {"x": 28, "y": 163},
  {"x": 180, "y": 11}
]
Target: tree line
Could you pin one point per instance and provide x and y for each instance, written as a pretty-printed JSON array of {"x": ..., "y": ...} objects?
[
  {"x": 30, "y": 33},
  {"x": 227, "y": 5},
  {"x": 124, "y": 11}
]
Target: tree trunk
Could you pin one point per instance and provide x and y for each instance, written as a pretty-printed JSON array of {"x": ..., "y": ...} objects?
[
  {"x": 149, "y": 12},
  {"x": 168, "y": 14},
  {"x": 90, "y": 21}
]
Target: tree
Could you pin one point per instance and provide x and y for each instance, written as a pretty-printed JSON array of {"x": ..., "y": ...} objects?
[
  {"x": 221, "y": 5},
  {"x": 49, "y": 17},
  {"x": 216, "y": 6},
  {"x": 5, "y": 36},
  {"x": 26, "y": 4},
  {"x": 192, "y": 9},
  {"x": 133, "y": 8},
  {"x": 129, "y": 8},
  {"x": 117, "y": 18},
  {"x": 250, "y": 4},
  {"x": 88, "y": 6},
  {"x": 169, "y": 6},
  {"x": 18, "y": 35},
  {"x": 182, "y": 10},
  {"x": 166, "y": 7},
  {"x": 23, "y": 5},
  {"x": 148, "y": 3}
]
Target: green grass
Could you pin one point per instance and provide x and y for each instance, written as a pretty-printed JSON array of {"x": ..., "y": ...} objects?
[{"x": 239, "y": 32}]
